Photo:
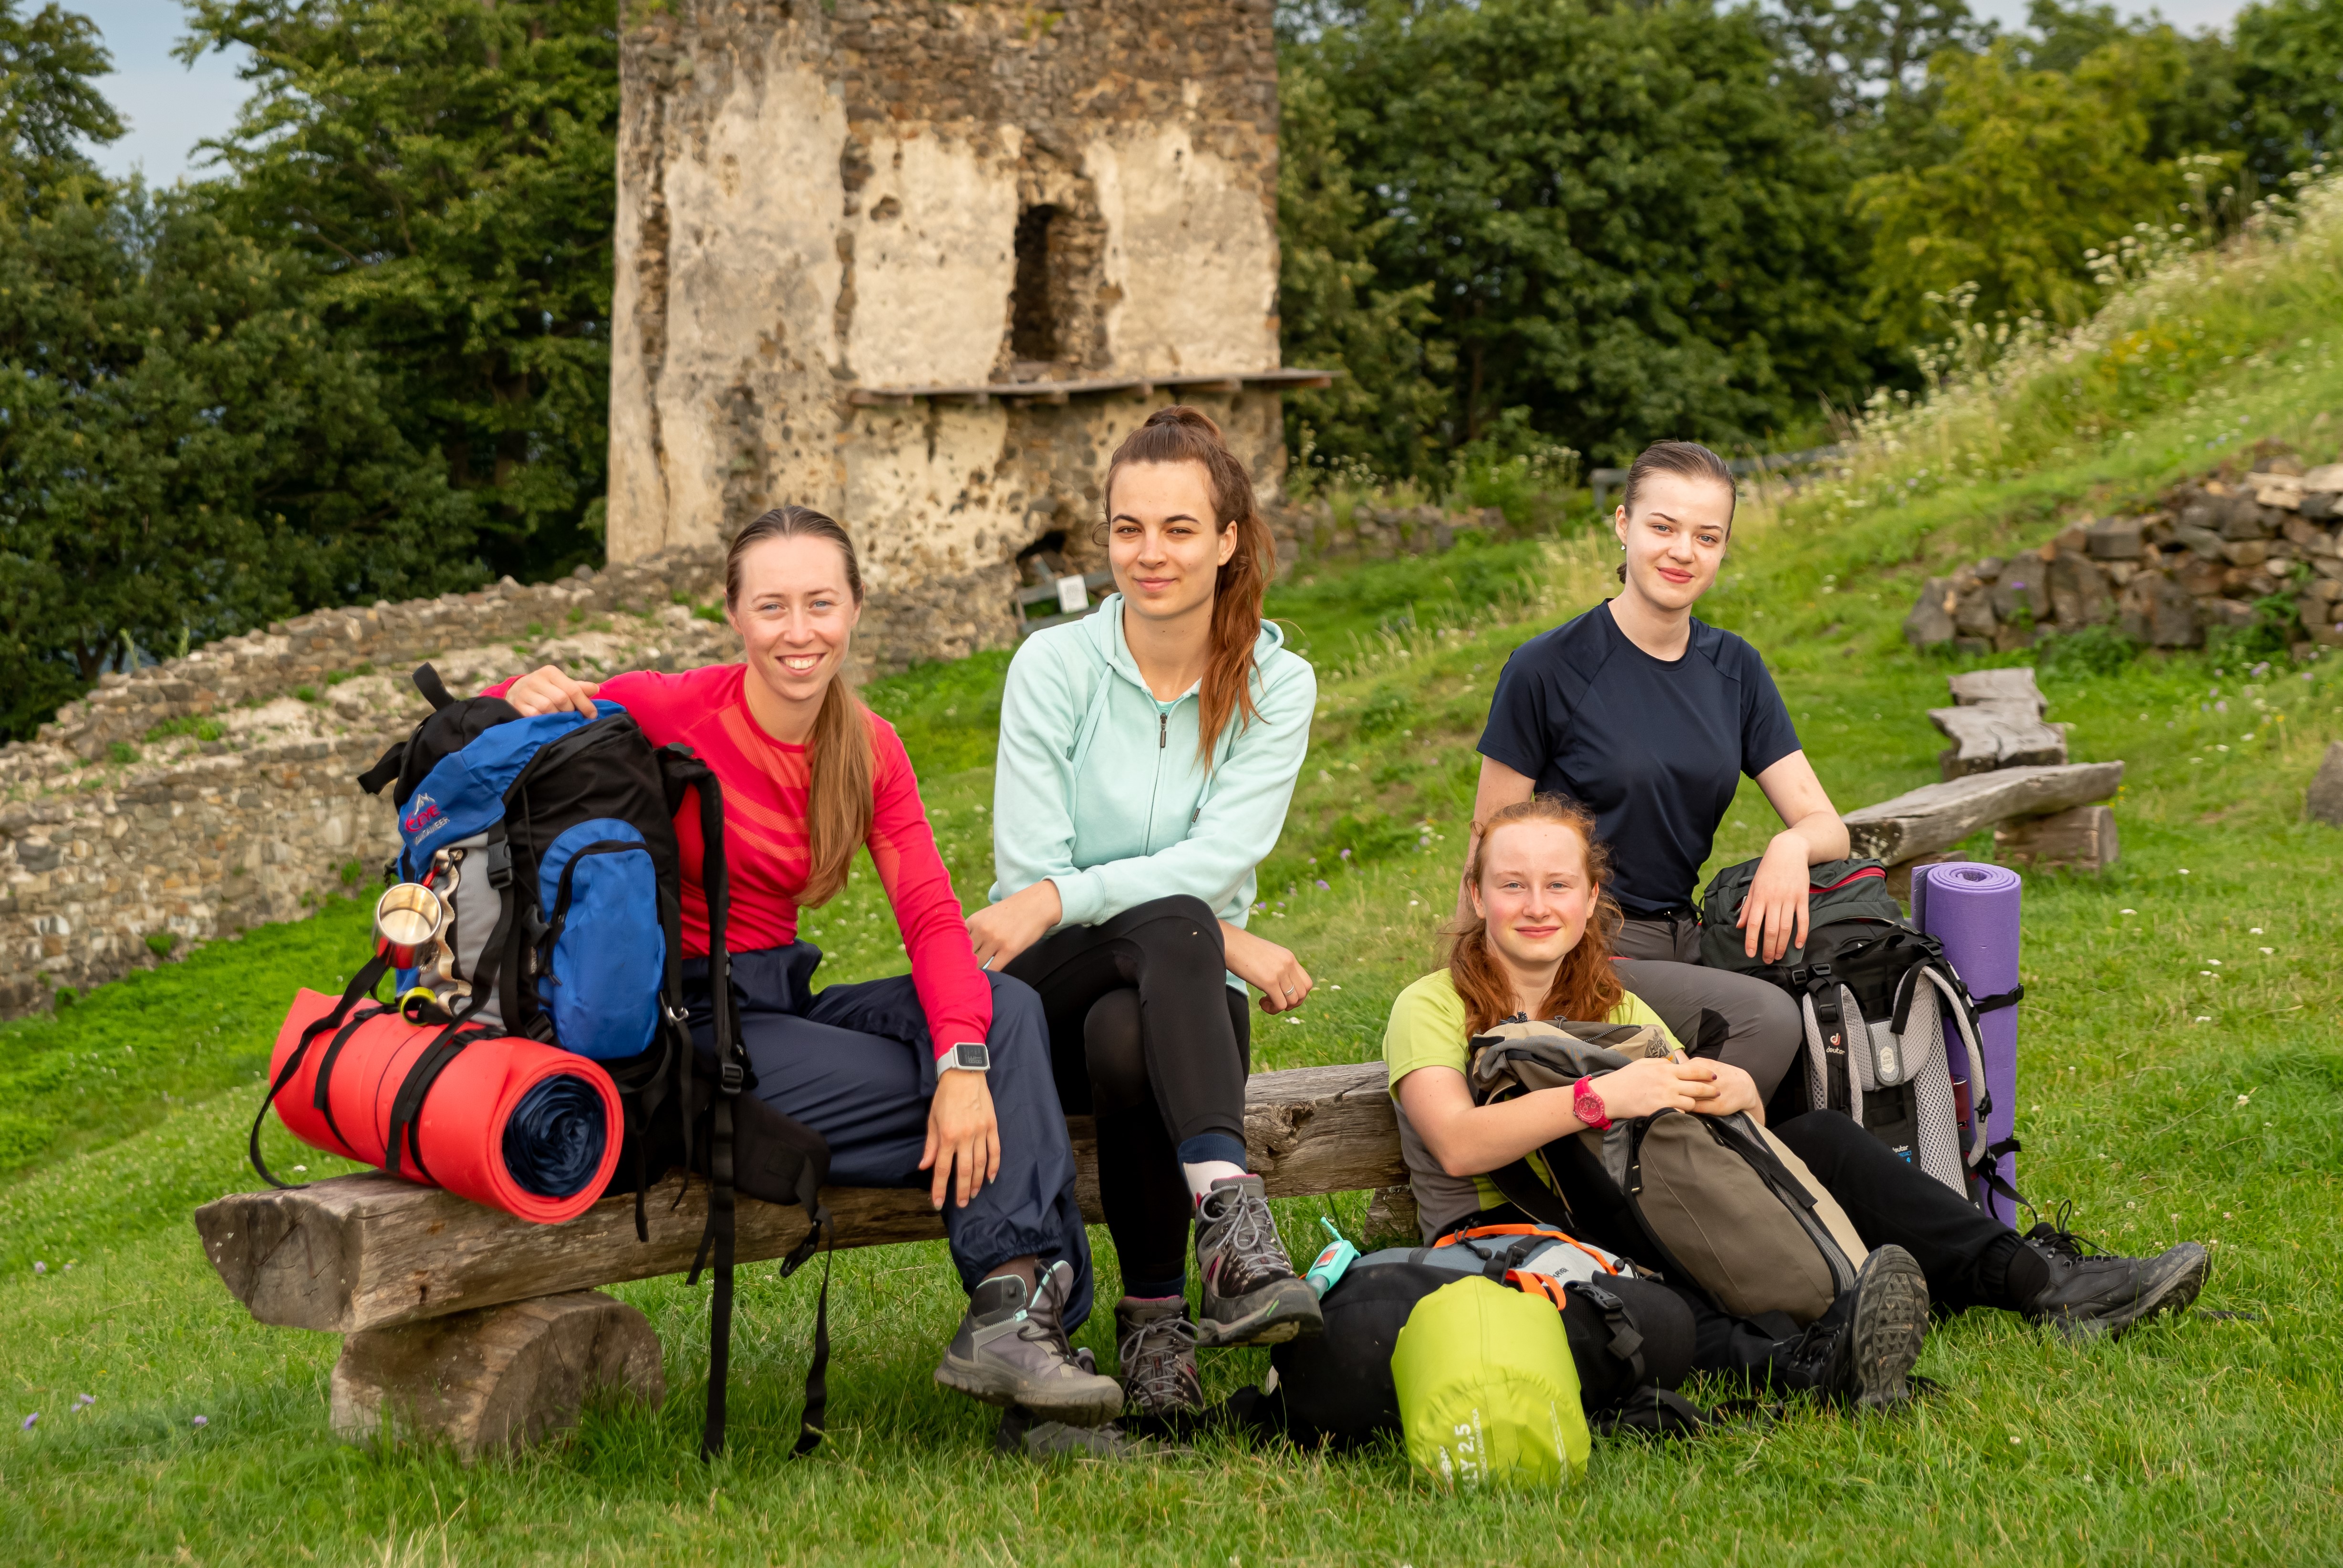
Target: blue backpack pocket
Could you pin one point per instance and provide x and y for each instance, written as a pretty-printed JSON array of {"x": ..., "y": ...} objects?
[{"x": 604, "y": 956}]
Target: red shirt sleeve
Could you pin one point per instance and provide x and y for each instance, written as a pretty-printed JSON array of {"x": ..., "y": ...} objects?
[{"x": 953, "y": 991}]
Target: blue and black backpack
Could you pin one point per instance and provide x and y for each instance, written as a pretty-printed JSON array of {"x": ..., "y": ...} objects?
[{"x": 552, "y": 840}]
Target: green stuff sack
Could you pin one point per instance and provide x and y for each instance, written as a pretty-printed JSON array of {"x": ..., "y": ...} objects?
[{"x": 1488, "y": 1393}]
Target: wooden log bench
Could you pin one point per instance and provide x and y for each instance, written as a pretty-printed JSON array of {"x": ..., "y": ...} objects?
[
  {"x": 462, "y": 1324},
  {"x": 2047, "y": 815}
]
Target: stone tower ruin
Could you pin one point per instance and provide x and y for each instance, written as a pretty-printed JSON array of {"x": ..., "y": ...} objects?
[{"x": 921, "y": 264}]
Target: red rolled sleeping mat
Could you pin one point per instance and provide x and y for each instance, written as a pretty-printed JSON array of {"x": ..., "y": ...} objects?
[{"x": 501, "y": 1120}]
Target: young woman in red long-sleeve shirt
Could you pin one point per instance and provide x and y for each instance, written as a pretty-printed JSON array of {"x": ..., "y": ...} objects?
[{"x": 946, "y": 1071}]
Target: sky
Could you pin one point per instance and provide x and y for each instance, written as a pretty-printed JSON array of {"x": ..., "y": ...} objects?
[{"x": 169, "y": 107}]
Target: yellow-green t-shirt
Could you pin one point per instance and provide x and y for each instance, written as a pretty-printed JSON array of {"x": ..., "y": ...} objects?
[{"x": 1427, "y": 1029}]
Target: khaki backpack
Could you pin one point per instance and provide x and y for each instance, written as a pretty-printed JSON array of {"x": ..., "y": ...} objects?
[{"x": 1716, "y": 1201}]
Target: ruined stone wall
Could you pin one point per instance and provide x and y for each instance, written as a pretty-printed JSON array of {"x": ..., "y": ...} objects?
[
  {"x": 814, "y": 199},
  {"x": 2217, "y": 548},
  {"x": 196, "y": 798}
]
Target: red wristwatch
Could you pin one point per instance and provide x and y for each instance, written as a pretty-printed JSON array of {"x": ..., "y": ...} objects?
[{"x": 1587, "y": 1106}]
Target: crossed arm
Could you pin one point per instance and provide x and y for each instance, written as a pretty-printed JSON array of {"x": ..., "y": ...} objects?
[{"x": 1471, "y": 1140}]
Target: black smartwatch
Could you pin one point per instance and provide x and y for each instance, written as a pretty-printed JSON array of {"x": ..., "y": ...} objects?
[{"x": 968, "y": 1056}]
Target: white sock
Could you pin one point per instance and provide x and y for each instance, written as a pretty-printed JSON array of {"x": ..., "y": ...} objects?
[{"x": 1204, "y": 1173}]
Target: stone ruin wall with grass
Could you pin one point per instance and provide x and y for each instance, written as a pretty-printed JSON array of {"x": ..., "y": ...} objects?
[
  {"x": 185, "y": 801},
  {"x": 2229, "y": 550}
]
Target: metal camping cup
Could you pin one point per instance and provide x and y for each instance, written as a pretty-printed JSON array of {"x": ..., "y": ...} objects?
[{"x": 408, "y": 921}]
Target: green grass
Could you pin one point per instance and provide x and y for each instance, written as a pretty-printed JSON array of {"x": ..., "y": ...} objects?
[{"x": 2163, "y": 1094}]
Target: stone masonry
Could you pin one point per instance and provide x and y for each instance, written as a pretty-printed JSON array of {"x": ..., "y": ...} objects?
[
  {"x": 913, "y": 264},
  {"x": 2204, "y": 558},
  {"x": 191, "y": 799}
]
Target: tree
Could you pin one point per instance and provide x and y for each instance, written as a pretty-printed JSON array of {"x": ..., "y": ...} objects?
[
  {"x": 2044, "y": 167},
  {"x": 1629, "y": 229},
  {"x": 185, "y": 451},
  {"x": 1378, "y": 410},
  {"x": 2290, "y": 76},
  {"x": 448, "y": 167},
  {"x": 49, "y": 103}
]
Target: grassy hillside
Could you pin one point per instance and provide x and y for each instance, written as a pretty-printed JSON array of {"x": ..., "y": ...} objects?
[{"x": 2179, "y": 1077}]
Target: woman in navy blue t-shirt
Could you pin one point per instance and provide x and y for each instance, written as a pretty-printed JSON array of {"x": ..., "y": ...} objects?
[{"x": 1650, "y": 718}]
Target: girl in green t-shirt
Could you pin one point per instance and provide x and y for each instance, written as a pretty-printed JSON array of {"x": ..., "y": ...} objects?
[{"x": 1537, "y": 944}]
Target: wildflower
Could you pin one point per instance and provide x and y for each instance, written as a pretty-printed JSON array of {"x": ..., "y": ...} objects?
[
  {"x": 39, "y": 1267},
  {"x": 2184, "y": 870},
  {"x": 1321, "y": 886},
  {"x": 2131, "y": 912},
  {"x": 2253, "y": 930},
  {"x": 2203, "y": 1018},
  {"x": 203, "y": 1420},
  {"x": 2270, "y": 951},
  {"x": 29, "y": 1420}
]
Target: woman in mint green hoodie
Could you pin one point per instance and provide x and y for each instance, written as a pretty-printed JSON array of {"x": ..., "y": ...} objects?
[{"x": 1147, "y": 757}]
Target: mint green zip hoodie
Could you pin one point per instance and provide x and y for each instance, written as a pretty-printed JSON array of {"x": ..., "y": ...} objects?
[{"x": 1099, "y": 789}]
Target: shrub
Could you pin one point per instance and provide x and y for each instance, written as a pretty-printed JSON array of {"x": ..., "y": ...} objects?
[
  {"x": 353, "y": 873},
  {"x": 306, "y": 693},
  {"x": 193, "y": 724},
  {"x": 122, "y": 751},
  {"x": 160, "y": 943},
  {"x": 2092, "y": 650}
]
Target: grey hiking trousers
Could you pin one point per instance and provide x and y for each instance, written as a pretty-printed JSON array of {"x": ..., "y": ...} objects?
[{"x": 1659, "y": 960}]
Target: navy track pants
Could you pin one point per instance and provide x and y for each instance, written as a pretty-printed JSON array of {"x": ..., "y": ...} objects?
[{"x": 854, "y": 1063}]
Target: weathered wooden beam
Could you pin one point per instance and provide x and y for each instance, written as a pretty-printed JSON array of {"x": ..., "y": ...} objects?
[
  {"x": 497, "y": 1379},
  {"x": 359, "y": 1252},
  {"x": 2080, "y": 839},
  {"x": 1987, "y": 736},
  {"x": 1939, "y": 816},
  {"x": 1988, "y": 686}
]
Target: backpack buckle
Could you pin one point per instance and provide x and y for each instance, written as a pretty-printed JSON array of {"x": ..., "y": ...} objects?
[
  {"x": 731, "y": 1078},
  {"x": 500, "y": 872}
]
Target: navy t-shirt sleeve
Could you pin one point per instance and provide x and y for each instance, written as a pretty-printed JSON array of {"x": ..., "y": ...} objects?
[
  {"x": 1766, "y": 733},
  {"x": 1520, "y": 733}
]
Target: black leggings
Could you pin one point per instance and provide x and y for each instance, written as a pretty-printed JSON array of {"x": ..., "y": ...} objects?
[{"x": 1147, "y": 1035}]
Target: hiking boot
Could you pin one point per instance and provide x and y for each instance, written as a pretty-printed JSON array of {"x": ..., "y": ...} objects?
[
  {"x": 1157, "y": 1342},
  {"x": 1863, "y": 1357},
  {"x": 1013, "y": 1351},
  {"x": 1252, "y": 1295},
  {"x": 2093, "y": 1292},
  {"x": 1023, "y": 1433}
]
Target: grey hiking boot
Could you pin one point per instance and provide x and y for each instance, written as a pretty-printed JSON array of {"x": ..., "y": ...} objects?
[
  {"x": 1023, "y": 1433},
  {"x": 1252, "y": 1295},
  {"x": 1863, "y": 1357},
  {"x": 2092, "y": 1292},
  {"x": 1157, "y": 1342},
  {"x": 1011, "y": 1351}
]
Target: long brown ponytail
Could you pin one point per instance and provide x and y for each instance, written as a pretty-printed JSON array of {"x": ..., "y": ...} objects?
[
  {"x": 839, "y": 798},
  {"x": 1179, "y": 434},
  {"x": 1586, "y": 987}
]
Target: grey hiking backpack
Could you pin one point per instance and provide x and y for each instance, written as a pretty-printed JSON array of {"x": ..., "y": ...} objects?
[
  {"x": 1714, "y": 1202},
  {"x": 1891, "y": 1035}
]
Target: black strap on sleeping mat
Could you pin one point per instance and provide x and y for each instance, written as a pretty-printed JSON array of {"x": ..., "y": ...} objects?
[
  {"x": 407, "y": 1106},
  {"x": 324, "y": 1099},
  {"x": 2000, "y": 998},
  {"x": 361, "y": 984}
]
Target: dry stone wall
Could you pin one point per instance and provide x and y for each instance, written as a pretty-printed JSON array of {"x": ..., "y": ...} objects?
[
  {"x": 2213, "y": 549},
  {"x": 189, "y": 800}
]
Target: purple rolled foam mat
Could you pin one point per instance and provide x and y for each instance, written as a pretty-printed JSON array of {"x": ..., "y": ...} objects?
[{"x": 1973, "y": 911}]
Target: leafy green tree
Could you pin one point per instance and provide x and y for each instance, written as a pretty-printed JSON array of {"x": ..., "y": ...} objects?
[
  {"x": 2290, "y": 77},
  {"x": 49, "y": 104},
  {"x": 448, "y": 167},
  {"x": 2044, "y": 167},
  {"x": 1378, "y": 410},
  {"x": 185, "y": 451},
  {"x": 1629, "y": 229}
]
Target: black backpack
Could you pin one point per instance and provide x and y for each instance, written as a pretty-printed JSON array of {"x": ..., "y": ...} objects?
[
  {"x": 1875, "y": 997},
  {"x": 553, "y": 836}
]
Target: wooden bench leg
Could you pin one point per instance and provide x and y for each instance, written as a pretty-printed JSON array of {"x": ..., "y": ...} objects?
[
  {"x": 497, "y": 1378},
  {"x": 2080, "y": 839}
]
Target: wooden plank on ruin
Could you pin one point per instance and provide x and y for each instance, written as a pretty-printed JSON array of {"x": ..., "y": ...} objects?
[
  {"x": 367, "y": 1251},
  {"x": 1987, "y": 736},
  {"x": 1939, "y": 816}
]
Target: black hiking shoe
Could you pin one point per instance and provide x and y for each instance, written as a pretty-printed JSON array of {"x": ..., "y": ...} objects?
[
  {"x": 1252, "y": 1295},
  {"x": 1157, "y": 1342},
  {"x": 2094, "y": 1293},
  {"x": 1863, "y": 1357},
  {"x": 1011, "y": 1351},
  {"x": 1022, "y": 1434}
]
